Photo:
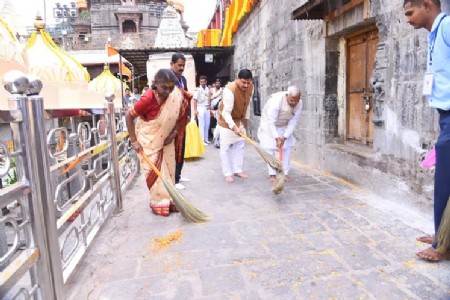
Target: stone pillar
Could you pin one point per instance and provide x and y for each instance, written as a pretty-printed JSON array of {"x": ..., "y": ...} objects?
[
  {"x": 331, "y": 81},
  {"x": 120, "y": 24}
]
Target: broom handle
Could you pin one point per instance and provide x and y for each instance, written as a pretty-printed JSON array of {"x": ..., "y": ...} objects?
[
  {"x": 149, "y": 162},
  {"x": 280, "y": 152},
  {"x": 73, "y": 164},
  {"x": 247, "y": 138}
]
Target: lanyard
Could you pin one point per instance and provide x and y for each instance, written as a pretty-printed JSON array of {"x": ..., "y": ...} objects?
[
  {"x": 180, "y": 81},
  {"x": 432, "y": 43}
]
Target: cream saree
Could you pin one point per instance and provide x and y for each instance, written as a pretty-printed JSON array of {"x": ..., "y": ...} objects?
[{"x": 151, "y": 135}]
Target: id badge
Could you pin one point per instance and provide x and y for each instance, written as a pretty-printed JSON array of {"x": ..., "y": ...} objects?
[{"x": 428, "y": 84}]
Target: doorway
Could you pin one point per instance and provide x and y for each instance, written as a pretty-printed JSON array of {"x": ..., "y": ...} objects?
[
  {"x": 129, "y": 26},
  {"x": 361, "y": 51}
]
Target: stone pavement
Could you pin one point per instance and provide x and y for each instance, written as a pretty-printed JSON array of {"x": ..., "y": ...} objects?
[{"x": 321, "y": 239}]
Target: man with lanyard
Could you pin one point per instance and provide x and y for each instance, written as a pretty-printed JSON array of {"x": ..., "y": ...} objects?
[
  {"x": 427, "y": 14},
  {"x": 177, "y": 65},
  {"x": 202, "y": 108}
]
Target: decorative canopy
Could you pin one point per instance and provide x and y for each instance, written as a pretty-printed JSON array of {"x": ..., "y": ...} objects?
[
  {"x": 58, "y": 65},
  {"x": 12, "y": 57},
  {"x": 10, "y": 48},
  {"x": 106, "y": 82}
]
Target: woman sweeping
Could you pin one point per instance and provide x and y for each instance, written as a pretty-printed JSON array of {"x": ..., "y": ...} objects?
[{"x": 154, "y": 134}]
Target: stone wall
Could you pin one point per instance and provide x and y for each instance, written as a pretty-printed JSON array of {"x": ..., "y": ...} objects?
[{"x": 281, "y": 52}]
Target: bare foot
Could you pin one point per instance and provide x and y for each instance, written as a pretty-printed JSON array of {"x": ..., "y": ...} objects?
[
  {"x": 229, "y": 179},
  {"x": 242, "y": 175},
  {"x": 287, "y": 178},
  {"x": 426, "y": 239},
  {"x": 160, "y": 210},
  {"x": 272, "y": 178},
  {"x": 431, "y": 254}
]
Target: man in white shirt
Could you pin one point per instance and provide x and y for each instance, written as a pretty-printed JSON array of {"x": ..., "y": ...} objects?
[
  {"x": 234, "y": 112},
  {"x": 278, "y": 121},
  {"x": 202, "y": 108},
  {"x": 216, "y": 97}
]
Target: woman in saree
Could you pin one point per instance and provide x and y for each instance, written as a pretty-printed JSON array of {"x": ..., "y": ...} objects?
[{"x": 157, "y": 113}]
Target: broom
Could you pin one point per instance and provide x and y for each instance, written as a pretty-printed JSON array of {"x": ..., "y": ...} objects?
[
  {"x": 274, "y": 163},
  {"x": 443, "y": 235},
  {"x": 187, "y": 210},
  {"x": 278, "y": 184}
]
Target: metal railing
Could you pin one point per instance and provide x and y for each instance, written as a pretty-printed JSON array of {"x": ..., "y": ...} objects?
[{"x": 71, "y": 173}]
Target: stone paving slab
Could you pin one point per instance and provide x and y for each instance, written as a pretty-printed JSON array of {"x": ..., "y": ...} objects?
[{"x": 321, "y": 239}]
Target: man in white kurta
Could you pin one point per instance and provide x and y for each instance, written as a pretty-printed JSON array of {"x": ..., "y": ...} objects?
[
  {"x": 202, "y": 108},
  {"x": 278, "y": 121},
  {"x": 234, "y": 112}
]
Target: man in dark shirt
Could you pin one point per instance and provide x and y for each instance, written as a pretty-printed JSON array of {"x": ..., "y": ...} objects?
[{"x": 177, "y": 65}]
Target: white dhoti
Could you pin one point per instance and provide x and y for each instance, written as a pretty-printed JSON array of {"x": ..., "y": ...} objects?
[
  {"x": 231, "y": 151},
  {"x": 269, "y": 144}
]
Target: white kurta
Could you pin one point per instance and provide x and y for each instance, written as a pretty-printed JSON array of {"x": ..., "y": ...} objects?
[
  {"x": 227, "y": 136},
  {"x": 202, "y": 96},
  {"x": 216, "y": 96},
  {"x": 231, "y": 145},
  {"x": 278, "y": 119},
  {"x": 204, "y": 118}
]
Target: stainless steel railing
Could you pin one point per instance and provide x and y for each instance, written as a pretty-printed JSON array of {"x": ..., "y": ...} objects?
[{"x": 53, "y": 213}]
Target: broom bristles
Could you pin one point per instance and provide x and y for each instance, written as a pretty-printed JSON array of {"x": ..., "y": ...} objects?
[
  {"x": 443, "y": 235},
  {"x": 278, "y": 184},
  {"x": 274, "y": 163},
  {"x": 187, "y": 210}
]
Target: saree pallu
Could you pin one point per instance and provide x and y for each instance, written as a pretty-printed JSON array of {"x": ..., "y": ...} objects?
[{"x": 151, "y": 135}]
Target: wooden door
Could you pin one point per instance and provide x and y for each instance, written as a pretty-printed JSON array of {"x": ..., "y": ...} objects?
[{"x": 361, "y": 51}]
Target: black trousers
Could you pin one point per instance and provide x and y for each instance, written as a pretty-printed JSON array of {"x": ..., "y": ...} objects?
[
  {"x": 179, "y": 166},
  {"x": 442, "y": 171}
]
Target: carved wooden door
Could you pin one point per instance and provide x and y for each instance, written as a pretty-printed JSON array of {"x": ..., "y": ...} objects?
[{"x": 361, "y": 51}]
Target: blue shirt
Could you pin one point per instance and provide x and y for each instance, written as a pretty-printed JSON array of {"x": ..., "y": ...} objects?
[
  {"x": 439, "y": 58},
  {"x": 126, "y": 100}
]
